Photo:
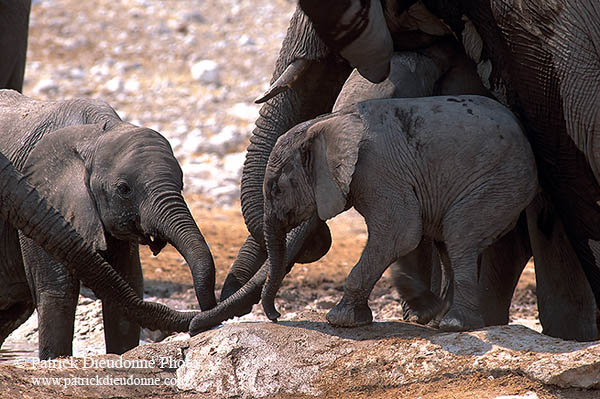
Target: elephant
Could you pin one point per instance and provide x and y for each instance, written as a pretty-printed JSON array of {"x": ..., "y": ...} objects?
[
  {"x": 530, "y": 48},
  {"x": 455, "y": 169},
  {"x": 25, "y": 209},
  {"x": 119, "y": 186},
  {"x": 14, "y": 26},
  {"x": 441, "y": 68}
]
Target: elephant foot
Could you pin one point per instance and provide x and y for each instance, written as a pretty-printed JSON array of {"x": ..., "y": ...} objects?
[
  {"x": 425, "y": 308},
  {"x": 349, "y": 315},
  {"x": 461, "y": 320}
]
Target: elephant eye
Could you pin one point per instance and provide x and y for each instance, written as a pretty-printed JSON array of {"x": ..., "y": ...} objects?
[{"x": 123, "y": 189}]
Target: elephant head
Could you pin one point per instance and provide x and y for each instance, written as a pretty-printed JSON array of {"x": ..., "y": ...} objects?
[
  {"x": 123, "y": 181},
  {"x": 309, "y": 172},
  {"x": 306, "y": 82},
  {"x": 23, "y": 207},
  {"x": 553, "y": 93}
]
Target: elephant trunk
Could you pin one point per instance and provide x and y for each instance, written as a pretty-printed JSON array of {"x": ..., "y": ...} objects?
[
  {"x": 243, "y": 297},
  {"x": 27, "y": 211},
  {"x": 275, "y": 239},
  {"x": 313, "y": 94},
  {"x": 169, "y": 218}
]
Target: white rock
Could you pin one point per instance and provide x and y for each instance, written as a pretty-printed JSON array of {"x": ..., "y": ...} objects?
[
  {"x": 246, "y": 40},
  {"x": 194, "y": 16},
  {"x": 244, "y": 111},
  {"x": 192, "y": 144},
  {"x": 76, "y": 73},
  {"x": 45, "y": 86},
  {"x": 113, "y": 85},
  {"x": 132, "y": 86},
  {"x": 100, "y": 70},
  {"x": 528, "y": 395},
  {"x": 296, "y": 357},
  {"x": 234, "y": 163},
  {"x": 206, "y": 71}
]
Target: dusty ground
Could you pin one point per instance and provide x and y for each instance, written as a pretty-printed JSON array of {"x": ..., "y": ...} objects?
[{"x": 314, "y": 286}]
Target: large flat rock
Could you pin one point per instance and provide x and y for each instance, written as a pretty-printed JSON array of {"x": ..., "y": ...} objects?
[{"x": 304, "y": 356}]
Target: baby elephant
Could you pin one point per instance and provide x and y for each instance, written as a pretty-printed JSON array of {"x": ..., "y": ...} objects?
[
  {"x": 119, "y": 185},
  {"x": 457, "y": 170}
]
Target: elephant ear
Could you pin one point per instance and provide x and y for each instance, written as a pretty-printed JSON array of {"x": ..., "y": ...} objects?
[
  {"x": 57, "y": 168},
  {"x": 334, "y": 150}
]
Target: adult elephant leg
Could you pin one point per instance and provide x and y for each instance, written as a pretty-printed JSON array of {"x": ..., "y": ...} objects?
[
  {"x": 55, "y": 292},
  {"x": 501, "y": 266},
  {"x": 12, "y": 316},
  {"x": 566, "y": 304},
  {"x": 121, "y": 334},
  {"x": 314, "y": 245},
  {"x": 14, "y": 28}
]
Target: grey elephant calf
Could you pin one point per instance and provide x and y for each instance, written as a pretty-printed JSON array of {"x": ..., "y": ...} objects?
[
  {"x": 455, "y": 169},
  {"x": 119, "y": 185}
]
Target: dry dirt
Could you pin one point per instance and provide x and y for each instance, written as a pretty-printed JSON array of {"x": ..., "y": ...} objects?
[
  {"x": 319, "y": 285},
  {"x": 314, "y": 286}
]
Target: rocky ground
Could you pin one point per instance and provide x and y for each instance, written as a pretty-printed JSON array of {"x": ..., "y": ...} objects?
[{"x": 190, "y": 70}]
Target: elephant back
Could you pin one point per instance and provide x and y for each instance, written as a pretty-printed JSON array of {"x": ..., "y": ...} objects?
[{"x": 25, "y": 121}]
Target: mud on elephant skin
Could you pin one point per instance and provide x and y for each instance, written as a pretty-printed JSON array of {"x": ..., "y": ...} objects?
[
  {"x": 119, "y": 185},
  {"x": 389, "y": 159}
]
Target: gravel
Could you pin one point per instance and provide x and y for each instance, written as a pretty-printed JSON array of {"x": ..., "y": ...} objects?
[{"x": 188, "y": 69}]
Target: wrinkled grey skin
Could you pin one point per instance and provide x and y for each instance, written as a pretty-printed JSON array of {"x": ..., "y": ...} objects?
[
  {"x": 443, "y": 69},
  {"x": 119, "y": 185},
  {"x": 14, "y": 25},
  {"x": 390, "y": 160},
  {"x": 23, "y": 208},
  {"x": 310, "y": 243},
  {"x": 560, "y": 128}
]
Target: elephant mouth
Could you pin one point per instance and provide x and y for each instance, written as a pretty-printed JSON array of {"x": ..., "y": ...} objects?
[{"x": 155, "y": 243}]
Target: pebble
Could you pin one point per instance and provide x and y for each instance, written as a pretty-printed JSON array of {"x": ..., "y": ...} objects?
[
  {"x": 113, "y": 85},
  {"x": 46, "y": 86},
  {"x": 190, "y": 71},
  {"x": 206, "y": 71},
  {"x": 528, "y": 395}
]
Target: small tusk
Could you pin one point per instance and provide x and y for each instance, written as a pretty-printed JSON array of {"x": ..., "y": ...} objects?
[{"x": 285, "y": 81}]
